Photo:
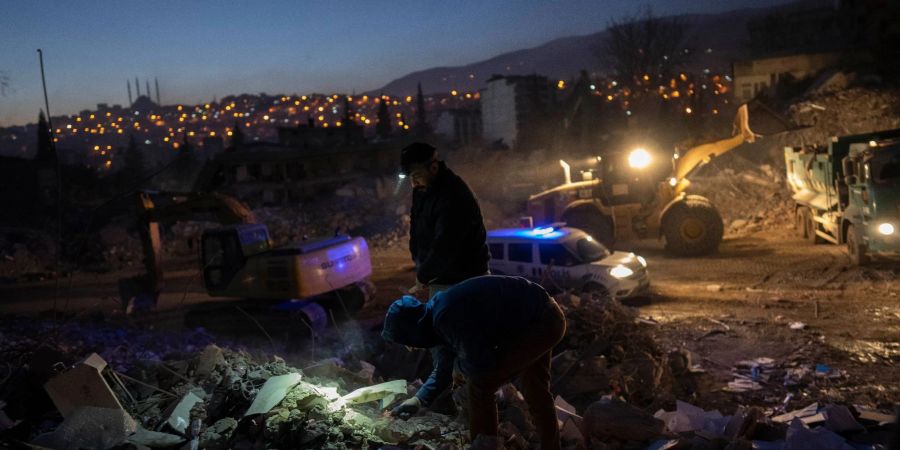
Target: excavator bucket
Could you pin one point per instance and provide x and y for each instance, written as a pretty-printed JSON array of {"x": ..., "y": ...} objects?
[{"x": 765, "y": 121}]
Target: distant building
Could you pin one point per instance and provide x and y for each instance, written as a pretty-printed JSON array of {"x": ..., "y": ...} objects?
[
  {"x": 305, "y": 161},
  {"x": 755, "y": 75},
  {"x": 512, "y": 106},
  {"x": 312, "y": 137},
  {"x": 460, "y": 126}
]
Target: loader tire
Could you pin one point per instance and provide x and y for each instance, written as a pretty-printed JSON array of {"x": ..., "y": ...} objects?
[
  {"x": 855, "y": 248},
  {"x": 692, "y": 227},
  {"x": 599, "y": 226}
]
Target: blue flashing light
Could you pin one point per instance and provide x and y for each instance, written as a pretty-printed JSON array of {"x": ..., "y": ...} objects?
[{"x": 542, "y": 233}]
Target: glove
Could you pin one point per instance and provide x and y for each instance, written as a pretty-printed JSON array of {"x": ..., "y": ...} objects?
[{"x": 407, "y": 409}]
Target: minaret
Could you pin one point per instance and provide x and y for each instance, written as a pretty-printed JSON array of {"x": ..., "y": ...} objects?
[
  {"x": 148, "y": 89},
  {"x": 137, "y": 87},
  {"x": 128, "y": 83},
  {"x": 156, "y": 82}
]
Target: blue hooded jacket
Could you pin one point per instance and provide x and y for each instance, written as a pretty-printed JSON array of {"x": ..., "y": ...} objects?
[{"x": 471, "y": 322}]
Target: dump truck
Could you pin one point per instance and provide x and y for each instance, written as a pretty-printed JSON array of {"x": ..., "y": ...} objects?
[
  {"x": 238, "y": 259},
  {"x": 848, "y": 192},
  {"x": 640, "y": 193}
]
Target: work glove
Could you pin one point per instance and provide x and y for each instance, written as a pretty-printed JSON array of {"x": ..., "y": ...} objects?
[{"x": 407, "y": 409}]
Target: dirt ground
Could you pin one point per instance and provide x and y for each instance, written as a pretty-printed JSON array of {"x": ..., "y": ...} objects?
[
  {"x": 738, "y": 305},
  {"x": 733, "y": 306}
]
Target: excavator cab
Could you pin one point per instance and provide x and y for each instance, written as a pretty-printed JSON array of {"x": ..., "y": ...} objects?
[{"x": 225, "y": 251}]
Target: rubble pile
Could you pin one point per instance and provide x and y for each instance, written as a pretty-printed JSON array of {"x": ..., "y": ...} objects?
[
  {"x": 750, "y": 197},
  {"x": 842, "y": 112},
  {"x": 150, "y": 390},
  {"x": 379, "y": 214},
  {"x": 607, "y": 350},
  {"x": 25, "y": 254}
]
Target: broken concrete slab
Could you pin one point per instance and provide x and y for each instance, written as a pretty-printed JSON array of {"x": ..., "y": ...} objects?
[
  {"x": 181, "y": 414},
  {"x": 387, "y": 391},
  {"x": 154, "y": 439},
  {"x": 809, "y": 414},
  {"x": 90, "y": 427},
  {"x": 272, "y": 392},
  {"x": 839, "y": 419},
  {"x": 799, "y": 437},
  {"x": 83, "y": 385},
  {"x": 688, "y": 417},
  {"x": 208, "y": 360},
  {"x": 218, "y": 435}
]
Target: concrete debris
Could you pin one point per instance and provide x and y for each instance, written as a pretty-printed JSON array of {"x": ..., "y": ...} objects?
[
  {"x": 797, "y": 326},
  {"x": 83, "y": 385},
  {"x": 800, "y": 437},
  {"x": 90, "y": 427},
  {"x": 621, "y": 421},
  {"x": 687, "y": 417},
  {"x": 384, "y": 391},
  {"x": 272, "y": 393},
  {"x": 154, "y": 439},
  {"x": 181, "y": 413}
]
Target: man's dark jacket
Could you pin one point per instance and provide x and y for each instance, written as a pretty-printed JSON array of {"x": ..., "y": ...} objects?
[
  {"x": 474, "y": 323},
  {"x": 447, "y": 236}
]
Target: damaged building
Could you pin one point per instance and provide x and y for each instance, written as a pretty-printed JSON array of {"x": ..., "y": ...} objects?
[{"x": 304, "y": 161}]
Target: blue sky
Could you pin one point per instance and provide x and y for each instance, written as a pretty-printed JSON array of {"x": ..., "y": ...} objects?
[{"x": 204, "y": 48}]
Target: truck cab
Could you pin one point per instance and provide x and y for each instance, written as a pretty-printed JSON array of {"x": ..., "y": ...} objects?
[
  {"x": 872, "y": 210},
  {"x": 849, "y": 192}
]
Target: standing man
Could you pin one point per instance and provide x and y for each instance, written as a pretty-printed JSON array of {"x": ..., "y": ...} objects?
[
  {"x": 447, "y": 243},
  {"x": 447, "y": 236},
  {"x": 496, "y": 328}
]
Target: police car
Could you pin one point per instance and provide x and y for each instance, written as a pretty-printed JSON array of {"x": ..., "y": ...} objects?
[{"x": 566, "y": 258}]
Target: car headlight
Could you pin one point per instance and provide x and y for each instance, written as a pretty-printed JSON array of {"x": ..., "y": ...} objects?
[
  {"x": 642, "y": 260},
  {"x": 621, "y": 271},
  {"x": 639, "y": 158},
  {"x": 886, "y": 228}
]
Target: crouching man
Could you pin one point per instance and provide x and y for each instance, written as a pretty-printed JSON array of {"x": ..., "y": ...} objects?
[{"x": 495, "y": 328}]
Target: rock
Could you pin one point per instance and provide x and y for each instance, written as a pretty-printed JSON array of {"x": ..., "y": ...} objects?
[
  {"x": 218, "y": 436},
  {"x": 714, "y": 287},
  {"x": 618, "y": 420},
  {"x": 90, "y": 427},
  {"x": 208, "y": 360},
  {"x": 83, "y": 385}
]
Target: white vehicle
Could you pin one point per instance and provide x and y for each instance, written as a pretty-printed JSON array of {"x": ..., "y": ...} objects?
[{"x": 567, "y": 258}]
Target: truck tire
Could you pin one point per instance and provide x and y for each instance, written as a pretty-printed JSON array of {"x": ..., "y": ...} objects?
[
  {"x": 800, "y": 219},
  {"x": 594, "y": 223},
  {"x": 692, "y": 227},
  {"x": 855, "y": 248},
  {"x": 809, "y": 226}
]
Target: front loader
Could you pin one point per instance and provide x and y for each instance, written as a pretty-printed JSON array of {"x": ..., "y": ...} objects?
[{"x": 640, "y": 194}]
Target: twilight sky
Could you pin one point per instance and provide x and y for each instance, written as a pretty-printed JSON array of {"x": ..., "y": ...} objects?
[{"x": 204, "y": 48}]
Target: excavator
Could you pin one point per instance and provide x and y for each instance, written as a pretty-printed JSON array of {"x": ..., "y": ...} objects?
[
  {"x": 640, "y": 194},
  {"x": 238, "y": 259}
]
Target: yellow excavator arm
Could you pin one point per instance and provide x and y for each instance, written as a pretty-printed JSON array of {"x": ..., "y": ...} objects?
[
  {"x": 702, "y": 154},
  {"x": 154, "y": 208}
]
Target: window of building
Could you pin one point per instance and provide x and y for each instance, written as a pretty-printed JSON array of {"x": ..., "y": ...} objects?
[{"x": 520, "y": 253}]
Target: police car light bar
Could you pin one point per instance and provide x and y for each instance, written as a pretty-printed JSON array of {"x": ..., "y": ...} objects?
[{"x": 540, "y": 231}]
